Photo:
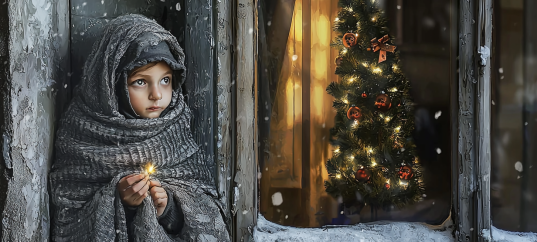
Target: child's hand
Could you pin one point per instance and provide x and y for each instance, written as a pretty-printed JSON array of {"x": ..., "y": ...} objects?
[
  {"x": 133, "y": 189},
  {"x": 159, "y": 196}
]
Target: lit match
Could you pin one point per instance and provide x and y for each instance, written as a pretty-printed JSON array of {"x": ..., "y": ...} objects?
[{"x": 149, "y": 169}]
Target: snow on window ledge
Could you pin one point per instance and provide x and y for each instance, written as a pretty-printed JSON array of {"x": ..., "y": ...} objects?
[
  {"x": 375, "y": 231},
  {"x": 499, "y": 235}
]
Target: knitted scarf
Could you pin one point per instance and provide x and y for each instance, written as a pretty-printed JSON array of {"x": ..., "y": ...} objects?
[{"x": 96, "y": 146}]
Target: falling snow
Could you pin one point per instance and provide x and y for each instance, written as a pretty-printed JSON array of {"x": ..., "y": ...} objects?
[
  {"x": 277, "y": 199},
  {"x": 437, "y": 114},
  {"x": 518, "y": 166}
]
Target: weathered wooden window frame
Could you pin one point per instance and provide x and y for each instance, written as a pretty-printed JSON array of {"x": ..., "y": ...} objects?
[{"x": 470, "y": 115}]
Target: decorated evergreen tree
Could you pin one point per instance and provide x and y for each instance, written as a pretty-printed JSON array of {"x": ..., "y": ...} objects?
[{"x": 374, "y": 160}]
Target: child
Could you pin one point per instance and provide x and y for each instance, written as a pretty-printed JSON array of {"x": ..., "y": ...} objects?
[{"x": 128, "y": 112}]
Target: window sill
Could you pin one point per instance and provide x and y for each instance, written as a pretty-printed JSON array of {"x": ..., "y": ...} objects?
[
  {"x": 508, "y": 236},
  {"x": 375, "y": 231}
]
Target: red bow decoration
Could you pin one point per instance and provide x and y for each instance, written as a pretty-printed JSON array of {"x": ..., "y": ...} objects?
[{"x": 381, "y": 45}]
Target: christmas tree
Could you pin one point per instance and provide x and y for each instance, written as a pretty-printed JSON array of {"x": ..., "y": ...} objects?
[{"x": 374, "y": 160}]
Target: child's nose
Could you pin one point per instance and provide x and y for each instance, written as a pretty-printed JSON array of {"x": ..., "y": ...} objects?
[{"x": 155, "y": 94}]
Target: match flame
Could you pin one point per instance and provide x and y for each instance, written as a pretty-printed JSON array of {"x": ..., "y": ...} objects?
[{"x": 150, "y": 169}]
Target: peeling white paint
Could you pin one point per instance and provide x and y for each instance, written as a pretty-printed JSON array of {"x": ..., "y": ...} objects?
[{"x": 34, "y": 66}]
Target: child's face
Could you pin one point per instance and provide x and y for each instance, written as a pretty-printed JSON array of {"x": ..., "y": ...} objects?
[{"x": 150, "y": 89}]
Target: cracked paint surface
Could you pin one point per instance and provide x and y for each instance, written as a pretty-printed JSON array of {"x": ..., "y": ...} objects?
[{"x": 37, "y": 48}]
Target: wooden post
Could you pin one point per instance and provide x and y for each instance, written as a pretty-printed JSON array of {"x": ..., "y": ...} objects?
[
  {"x": 245, "y": 188},
  {"x": 483, "y": 98},
  {"x": 471, "y": 133}
]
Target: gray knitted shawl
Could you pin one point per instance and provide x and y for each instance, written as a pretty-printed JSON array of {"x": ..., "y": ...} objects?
[{"x": 96, "y": 146}]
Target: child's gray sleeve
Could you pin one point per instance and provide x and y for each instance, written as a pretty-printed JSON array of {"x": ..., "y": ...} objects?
[{"x": 172, "y": 218}]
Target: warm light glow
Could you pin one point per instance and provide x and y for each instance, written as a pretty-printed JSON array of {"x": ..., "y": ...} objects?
[
  {"x": 350, "y": 10},
  {"x": 388, "y": 181},
  {"x": 338, "y": 176},
  {"x": 351, "y": 79},
  {"x": 394, "y": 67},
  {"x": 369, "y": 150},
  {"x": 149, "y": 169},
  {"x": 337, "y": 19},
  {"x": 346, "y": 101},
  {"x": 393, "y": 89},
  {"x": 373, "y": 164},
  {"x": 373, "y": 19},
  {"x": 355, "y": 123},
  {"x": 344, "y": 50},
  {"x": 377, "y": 70},
  {"x": 404, "y": 183},
  {"x": 398, "y": 129},
  {"x": 351, "y": 157},
  {"x": 365, "y": 64},
  {"x": 337, "y": 150},
  {"x": 387, "y": 119}
]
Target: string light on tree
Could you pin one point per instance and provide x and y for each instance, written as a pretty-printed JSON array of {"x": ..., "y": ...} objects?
[{"x": 379, "y": 136}]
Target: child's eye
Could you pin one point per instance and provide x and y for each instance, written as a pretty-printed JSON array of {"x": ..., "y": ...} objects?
[
  {"x": 165, "y": 80},
  {"x": 139, "y": 82}
]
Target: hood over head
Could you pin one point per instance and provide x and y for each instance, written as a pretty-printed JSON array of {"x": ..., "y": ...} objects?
[{"x": 127, "y": 43}]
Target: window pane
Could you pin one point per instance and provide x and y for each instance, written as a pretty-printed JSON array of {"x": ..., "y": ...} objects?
[
  {"x": 514, "y": 122},
  {"x": 399, "y": 136}
]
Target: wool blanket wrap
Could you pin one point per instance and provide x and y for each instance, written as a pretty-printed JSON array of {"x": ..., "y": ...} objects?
[{"x": 96, "y": 146}]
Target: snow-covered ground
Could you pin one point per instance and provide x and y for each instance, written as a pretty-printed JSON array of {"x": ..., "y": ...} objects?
[{"x": 376, "y": 231}]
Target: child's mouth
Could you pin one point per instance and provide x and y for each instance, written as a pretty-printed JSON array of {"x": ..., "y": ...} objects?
[{"x": 152, "y": 109}]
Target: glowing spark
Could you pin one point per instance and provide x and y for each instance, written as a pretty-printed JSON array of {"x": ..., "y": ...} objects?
[
  {"x": 344, "y": 50},
  {"x": 149, "y": 169},
  {"x": 373, "y": 19},
  {"x": 346, "y": 101},
  {"x": 393, "y": 89},
  {"x": 377, "y": 70},
  {"x": 373, "y": 164},
  {"x": 387, "y": 119},
  {"x": 337, "y": 150},
  {"x": 338, "y": 176},
  {"x": 365, "y": 64},
  {"x": 394, "y": 67},
  {"x": 388, "y": 181},
  {"x": 337, "y": 19},
  {"x": 398, "y": 129},
  {"x": 351, "y": 79}
]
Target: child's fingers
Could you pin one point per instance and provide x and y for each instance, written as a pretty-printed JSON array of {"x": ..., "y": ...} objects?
[
  {"x": 160, "y": 199},
  {"x": 138, "y": 188},
  {"x": 154, "y": 184},
  {"x": 156, "y": 189},
  {"x": 129, "y": 181},
  {"x": 140, "y": 194}
]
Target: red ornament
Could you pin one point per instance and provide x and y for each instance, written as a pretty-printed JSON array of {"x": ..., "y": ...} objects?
[
  {"x": 354, "y": 113},
  {"x": 387, "y": 185},
  {"x": 364, "y": 95},
  {"x": 362, "y": 175},
  {"x": 350, "y": 39},
  {"x": 405, "y": 172},
  {"x": 339, "y": 60},
  {"x": 383, "y": 102}
]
